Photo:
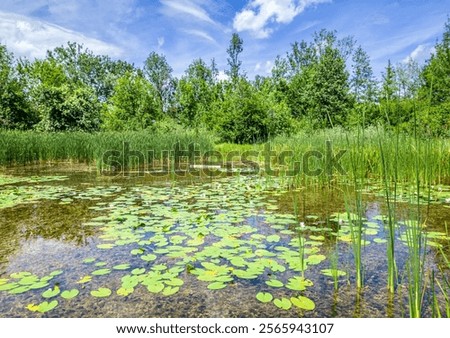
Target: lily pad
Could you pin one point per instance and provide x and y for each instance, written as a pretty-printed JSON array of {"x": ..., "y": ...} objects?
[
  {"x": 70, "y": 294},
  {"x": 264, "y": 297},
  {"x": 89, "y": 260},
  {"x": 155, "y": 287},
  {"x": 51, "y": 292},
  {"x": 303, "y": 303},
  {"x": 125, "y": 292},
  {"x": 84, "y": 280},
  {"x": 149, "y": 257},
  {"x": 217, "y": 286},
  {"x": 170, "y": 290},
  {"x": 121, "y": 267},
  {"x": 101, "y": 272},
  {"x": 273, "y": 239},
  {"x": 283, "y": 303},
  {"x": 275, "y": 283},
  {"x": 56, "y": 273},
  {"x": 333, "y": 272},
  {"x": 101, "y": 293},
  {"x": 47, "y": 306}
]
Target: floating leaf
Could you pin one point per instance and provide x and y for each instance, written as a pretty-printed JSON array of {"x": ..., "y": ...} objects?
[
  {"x": 273, "y": 239},
  {"x": 105, "y": 246},
  {"x": 32, "y": 307},
  {"x": 136, "y": 252},
  {"x": 101, "y": 293},
  {"x": 20, "y": 275},
  {"x": 125, "y": 292},
  {"x": 56, "y": 273},
  {"x": 46, "y": 306},
  {"x": 275, "y": 283},
  {"x": 85, "y": 279},
  {"x": 303, "y": 303},
  {"x": 149, "y": 257},
  {"x": 155, "y": 287},
  {"x": 9, "y": 286},
  {"x": 69, "y": 294},
  {"x": 99, "y": 264},
  {"x": 217, "y": 286},
  {"x": 315, "y": 259},
  {"x": 20, "y": 289},
  {"x": 89, "y": 260},
  {"x": 175, "y": 282},
  {"x": 380, "y": 240},
  {"x": 39, "y": 285},
  {"x": 298, "y": 283},
  {"x": 101, "y": 272},
  {"x": 169, "y": 290},
  {"x": 28, "y": 280},
  {"x": 283, "y": 303},
  {"x": 51, "y": 292},
  {"x": 138, "y": 271},
  {"x": 264, "y": 297},
  {"x": 121, "y": 267}
]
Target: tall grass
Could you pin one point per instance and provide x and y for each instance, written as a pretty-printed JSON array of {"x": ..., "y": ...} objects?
[
  {"x": 20, "y": 148},
  {"x": 372, "y": 166}
]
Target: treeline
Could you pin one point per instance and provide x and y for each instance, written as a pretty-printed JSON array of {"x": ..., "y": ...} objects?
[{"x": 324, "y": 83}]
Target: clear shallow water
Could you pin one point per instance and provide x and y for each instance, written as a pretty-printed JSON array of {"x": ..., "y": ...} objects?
[{"x": 234, "y": 235}]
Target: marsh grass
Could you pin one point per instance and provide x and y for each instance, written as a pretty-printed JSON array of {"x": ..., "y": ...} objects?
[{"x": 21, "y": 148}]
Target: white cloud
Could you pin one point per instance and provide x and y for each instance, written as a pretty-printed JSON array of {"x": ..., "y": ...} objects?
[
  {"x": 200, "y": 34},
  {"x": 32, "y": 38},
  {"x": 421, "y": 53},
  {"x": 161, "y": 41},
  {"x": 186, "y": 7},
  {"x": 258, "y": 14},
  {"x": 222, "y": 76}
]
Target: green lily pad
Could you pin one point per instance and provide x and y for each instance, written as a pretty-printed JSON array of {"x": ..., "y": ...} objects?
[
  {"x": 28, "y": 280},
  {"x": 70, "y": 294},
  {"x": 89, "y": 260},
  {"x": 19, "y": 290},
  {"x": 315, "y": 259},
  {"x": 264, "y": 297},
  {"x": 125, "y": 292},
  {"x": 39, "y": 285},
  {"x": 273, "y": 239},
  {"x": 20, "y": 275},
  {"x": 51, "y": 292},
  {"x": 303, "y": 303},
  {"x": 138, "y": 271},
  {"x": 47, "y": 306},
  {"x": 149, "y": 257},
  {"x": 9, "y": 286},
  {"x": 380, "y": 240},
  {"x": 275, "y": 283},
  {"x": 283, "y": 303},
  {"x": 155, "y": 287},
  {"x": 170, "y": 290},
  {"x": 298, "y": 283},
  {"x": 100, "y": 264},
  {"x": 84, "y": 280},
  {"x": 101, "y": 272},
  {"x": 175, "y": 282},
  {"x": 217, "y": 286},
  {"x": 101, "y": 293},
  {"x": 121, "y": 267}
]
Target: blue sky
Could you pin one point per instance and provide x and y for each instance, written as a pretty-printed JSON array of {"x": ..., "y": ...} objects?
[{"x": 187, "y": 29}]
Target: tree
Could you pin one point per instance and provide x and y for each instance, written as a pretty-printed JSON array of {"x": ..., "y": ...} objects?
[
  {"x": 158, "y": 72},
  {"x": 195, "y": 92},
  {"x": 234, "y": 50},
  {"x": 436, "y": 74},
  {"x": 135, "y": 104},
  {"x": 363, "y": 83},
  {"x": 15, "y": 111},
  {"x": 82, "y": 67}
]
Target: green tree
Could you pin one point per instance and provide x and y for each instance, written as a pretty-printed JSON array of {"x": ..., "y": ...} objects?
[
  {"x": 158, "y": 72},
  {"x": 235, "y": 48},
  {"x": 15, "y": 111},
  {"x": 195, "y": 92},
  {"x": 135, "y": 104}
]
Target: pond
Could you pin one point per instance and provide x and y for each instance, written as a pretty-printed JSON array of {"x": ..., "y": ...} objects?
[{"x": 79, "y": 244}]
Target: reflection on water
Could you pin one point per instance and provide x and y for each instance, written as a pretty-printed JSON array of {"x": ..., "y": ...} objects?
[{"x": 60, "y": 229}]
